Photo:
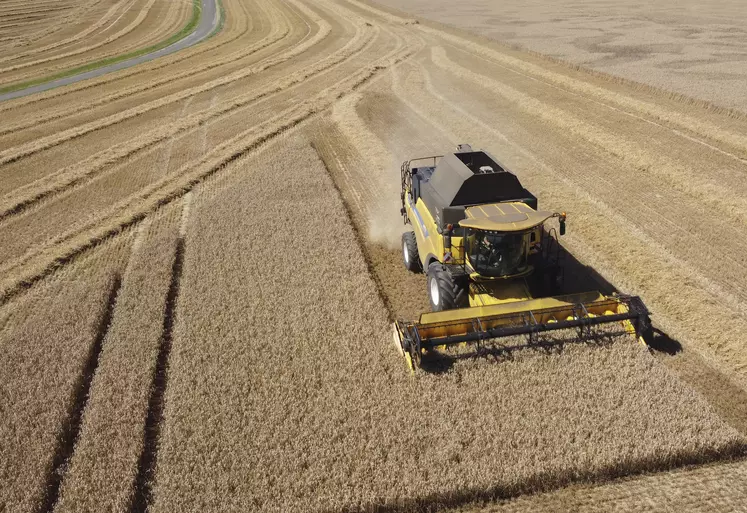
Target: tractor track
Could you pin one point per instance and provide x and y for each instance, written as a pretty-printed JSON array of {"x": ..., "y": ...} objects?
[{"x": 145, "y": 479}]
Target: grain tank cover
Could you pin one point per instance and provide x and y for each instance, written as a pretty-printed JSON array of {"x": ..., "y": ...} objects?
[{"x": 473, "y": 178}]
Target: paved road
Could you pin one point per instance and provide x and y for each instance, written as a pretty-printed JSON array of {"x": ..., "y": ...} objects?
[{"x": 208, "y": 22}]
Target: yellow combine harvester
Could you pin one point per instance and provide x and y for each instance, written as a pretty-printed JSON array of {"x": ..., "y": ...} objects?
[{"x": 493, "y": 268}]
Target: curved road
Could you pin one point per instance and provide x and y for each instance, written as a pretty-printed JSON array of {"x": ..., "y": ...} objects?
[{"x": 208, "y": 23}]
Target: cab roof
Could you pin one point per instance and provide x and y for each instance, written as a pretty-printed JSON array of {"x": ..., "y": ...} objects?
[{"x": 504, "y": 217}]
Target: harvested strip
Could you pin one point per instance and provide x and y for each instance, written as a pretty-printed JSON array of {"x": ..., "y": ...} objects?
[
  {"x": 311, "y": 408},
  {"x": 105, "y": 463}
]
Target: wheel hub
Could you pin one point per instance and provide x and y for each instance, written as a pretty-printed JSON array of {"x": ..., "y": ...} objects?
[{"x": 435, "y": 294}]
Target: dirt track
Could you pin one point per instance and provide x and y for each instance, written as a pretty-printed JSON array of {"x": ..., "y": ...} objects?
[{"x": 654, "y": 187}]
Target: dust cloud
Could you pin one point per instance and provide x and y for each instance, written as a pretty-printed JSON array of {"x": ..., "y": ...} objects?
[{"x": 385, "y": 225}]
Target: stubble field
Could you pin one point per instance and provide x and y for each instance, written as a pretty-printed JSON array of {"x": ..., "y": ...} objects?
[
  {"x": 199, "y": 265},
  {"x": 689, "y": 47}
]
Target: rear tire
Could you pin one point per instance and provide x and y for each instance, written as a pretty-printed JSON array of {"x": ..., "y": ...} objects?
[
  {"x": 410, "y": 255},
  {"x": 443, "y": 291}
]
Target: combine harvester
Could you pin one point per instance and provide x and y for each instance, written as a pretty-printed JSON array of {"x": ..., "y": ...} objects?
[{"x": 493, "y": 269}]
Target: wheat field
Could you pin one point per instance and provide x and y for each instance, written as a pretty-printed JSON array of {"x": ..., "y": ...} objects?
[{"x": 199, "y": 268}]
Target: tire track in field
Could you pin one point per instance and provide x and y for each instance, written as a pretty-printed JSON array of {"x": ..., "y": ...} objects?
[
  {"x": 165, "y": 158},
  {"x": 71, "y": 426},
  {"x": 145, "y": 478},
  {"x": 23, "y": 273},
  {"x": 279, "y": 32},
  {"x": 26, "y": 196}
]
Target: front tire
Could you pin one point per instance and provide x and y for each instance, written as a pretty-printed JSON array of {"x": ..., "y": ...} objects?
[
  {"x": 444, "y": 293},
  {"x": 410, "y": 255}
]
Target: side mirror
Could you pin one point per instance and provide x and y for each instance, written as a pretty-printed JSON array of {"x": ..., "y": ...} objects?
[{"x": 562, "y": 227}]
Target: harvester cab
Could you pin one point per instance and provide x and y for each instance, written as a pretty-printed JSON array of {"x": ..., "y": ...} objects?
[{"x": 492, "y": 260}]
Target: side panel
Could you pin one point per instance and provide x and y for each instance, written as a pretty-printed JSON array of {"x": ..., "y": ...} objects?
[{"x": 430, "y": 242}]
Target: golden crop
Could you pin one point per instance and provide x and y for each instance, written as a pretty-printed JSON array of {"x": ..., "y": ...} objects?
[{"x": 199, "y": 267}]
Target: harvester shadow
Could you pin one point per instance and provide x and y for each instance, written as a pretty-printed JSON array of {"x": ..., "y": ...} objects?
[
  {"x": 663, "y": 343},
  {"x": 544, "y": 482},
  {"x": 580, "y": 277},
  {"x": 441, "y": 362}
]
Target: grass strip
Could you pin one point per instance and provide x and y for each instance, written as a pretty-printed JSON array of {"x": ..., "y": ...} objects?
[
  {"x": 221, "y": 19},
  {"x": 184, "y": 32}
]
